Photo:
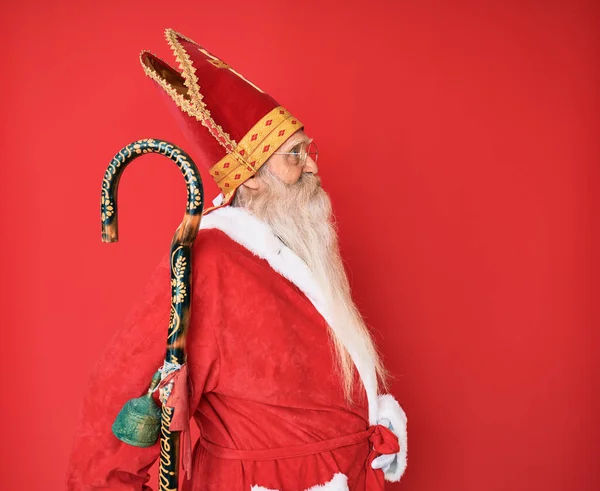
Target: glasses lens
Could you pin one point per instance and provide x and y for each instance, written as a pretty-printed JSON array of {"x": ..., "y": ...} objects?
[{"x": 312, "y": 152}]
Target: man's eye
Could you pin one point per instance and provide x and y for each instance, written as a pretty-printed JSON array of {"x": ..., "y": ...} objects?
[{"x": 295, "y": 150}]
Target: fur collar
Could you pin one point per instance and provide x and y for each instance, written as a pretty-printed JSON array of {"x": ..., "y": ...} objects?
[{"x": 256, "y": 236}]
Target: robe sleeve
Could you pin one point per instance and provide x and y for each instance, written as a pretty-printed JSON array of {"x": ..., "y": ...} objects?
[
  {"x": 98, "y": 459},
  {"x": 390, "y": 410}
]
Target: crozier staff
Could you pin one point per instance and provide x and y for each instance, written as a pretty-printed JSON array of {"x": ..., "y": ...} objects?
[{"x": 140, "y": 423}]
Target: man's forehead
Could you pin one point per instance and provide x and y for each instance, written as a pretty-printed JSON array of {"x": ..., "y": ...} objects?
[{"x": 298, "y": 137}]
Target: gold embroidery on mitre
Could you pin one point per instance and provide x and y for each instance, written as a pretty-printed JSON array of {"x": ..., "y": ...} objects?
[
  {"x": 185, "y": 103},
  {"x": 254, "y": 149},
  {"x": 202, "y": 113},
  {"x": 180, "y": 100}
]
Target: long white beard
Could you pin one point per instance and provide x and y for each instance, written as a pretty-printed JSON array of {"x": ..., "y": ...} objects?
[{"x": 301, "y": 216}]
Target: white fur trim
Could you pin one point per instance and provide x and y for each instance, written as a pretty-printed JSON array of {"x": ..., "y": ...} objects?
[
  {"x": 338, "y": 483},
  {"x": 390, "y": 409},
  {"x": 258, "y": 238}
]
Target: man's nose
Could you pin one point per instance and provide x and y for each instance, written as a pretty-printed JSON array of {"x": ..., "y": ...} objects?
[{"x": 310, "y": 166}]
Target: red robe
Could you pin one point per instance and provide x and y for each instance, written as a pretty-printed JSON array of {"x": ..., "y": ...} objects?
[{"x": 264, "y": 387}]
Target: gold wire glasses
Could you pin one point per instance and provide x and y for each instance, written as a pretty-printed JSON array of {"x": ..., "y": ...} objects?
[{"x": 300, "y": 152}]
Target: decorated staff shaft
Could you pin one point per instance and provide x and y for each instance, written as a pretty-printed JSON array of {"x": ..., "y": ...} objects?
[{"x": 139, "y": 421}]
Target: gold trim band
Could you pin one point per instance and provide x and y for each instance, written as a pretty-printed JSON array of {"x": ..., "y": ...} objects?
[{"x": 254, "y": 149}]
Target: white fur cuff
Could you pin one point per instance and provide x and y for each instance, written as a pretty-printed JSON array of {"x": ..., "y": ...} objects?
[{"x": 390, "y": 409}]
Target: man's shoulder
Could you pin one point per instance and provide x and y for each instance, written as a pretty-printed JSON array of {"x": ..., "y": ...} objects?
[
  {"x": 216, "y": 247},
  {"x": 213, "y": 242},
  {"x": 212, "y": 239},
  {"x": 217, "y": 259}
]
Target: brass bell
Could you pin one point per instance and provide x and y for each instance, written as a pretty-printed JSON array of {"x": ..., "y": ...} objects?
[{"x": 138, "y": 422}]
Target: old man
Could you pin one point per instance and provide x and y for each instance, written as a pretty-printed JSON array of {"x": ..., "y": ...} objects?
[{"x": 286, "y": 382}]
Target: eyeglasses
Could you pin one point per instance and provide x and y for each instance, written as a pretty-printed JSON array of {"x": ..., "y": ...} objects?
[{"x": 300, "y": 152}]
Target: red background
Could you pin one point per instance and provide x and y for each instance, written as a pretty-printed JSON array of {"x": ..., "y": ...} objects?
[{"x": 459, "y": 143}]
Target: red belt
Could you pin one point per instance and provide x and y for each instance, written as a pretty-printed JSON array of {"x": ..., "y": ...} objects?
[{"x": 382, "y": 441}]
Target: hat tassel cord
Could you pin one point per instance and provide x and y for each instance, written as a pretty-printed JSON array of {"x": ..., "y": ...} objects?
[{"x": 140, "y": 422}]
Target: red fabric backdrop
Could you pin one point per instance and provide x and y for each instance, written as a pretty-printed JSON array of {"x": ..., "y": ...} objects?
[{"x": 459, "y": 143}]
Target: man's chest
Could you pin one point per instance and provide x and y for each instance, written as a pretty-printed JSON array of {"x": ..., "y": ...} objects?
[{"x": 274, "y": 342}]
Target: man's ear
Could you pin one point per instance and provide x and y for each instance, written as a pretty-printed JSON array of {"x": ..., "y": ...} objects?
[{"x": 251, "y": 183}]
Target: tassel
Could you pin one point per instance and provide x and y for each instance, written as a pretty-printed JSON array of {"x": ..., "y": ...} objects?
[{"x": 179, "y": 400}]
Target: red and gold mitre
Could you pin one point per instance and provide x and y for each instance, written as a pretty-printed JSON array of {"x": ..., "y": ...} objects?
[{"x": 233, "y": 126}]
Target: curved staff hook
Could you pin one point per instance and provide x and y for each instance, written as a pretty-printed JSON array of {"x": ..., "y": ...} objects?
[{"x": 138, "y": 421}]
